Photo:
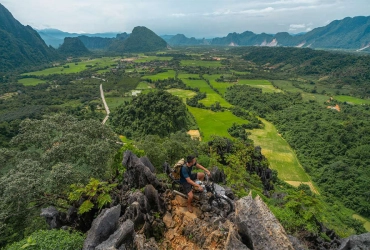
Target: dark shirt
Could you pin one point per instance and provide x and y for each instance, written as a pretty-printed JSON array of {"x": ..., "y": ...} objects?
[{"x": 186, "y": 172}]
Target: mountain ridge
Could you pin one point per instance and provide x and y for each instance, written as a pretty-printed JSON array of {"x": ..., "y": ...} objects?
[{"x": 21, "y": 46}]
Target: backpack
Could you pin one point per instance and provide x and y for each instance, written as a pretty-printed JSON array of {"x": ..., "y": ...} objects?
[{"x": 177, "y": 169}]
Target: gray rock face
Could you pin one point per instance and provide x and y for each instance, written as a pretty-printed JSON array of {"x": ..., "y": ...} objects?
[
  {"x": 258, "y": 227},
  {"x": 102, "y": 227},
  {"x": 153, "y": 198},
  {"x": 52, "y": 216},
  {"x": 296, "y": 243},
  {"x": 138, "y": 175},
  {"x": 217, "y": 175},
  {"x": 145, "y": 160},
  {"x": 233, "y": 241},
  {"x": 133, "y": 213},
  {"x": 356, "y": 242},
  {"x": 124, "y": 235},
  {"x": 140, "y": 198}
]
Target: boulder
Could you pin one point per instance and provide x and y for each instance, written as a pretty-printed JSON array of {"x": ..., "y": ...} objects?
[
  {"x": 134, "y": 213},
  {"x": 124, "y": 235},
  {"x": 356, "y": 242},
  {"x": 258, "y": 227},
  {"x": 53, "y": 218},
  {"x": 157, "y": 204},
  {"x": 218, "y": 175},
  {"x": 145, "y": 160},
  {"x": 138, "y": 175},
  {"x": 140, "y": 198},
  {"x": 102, "y": 227}
]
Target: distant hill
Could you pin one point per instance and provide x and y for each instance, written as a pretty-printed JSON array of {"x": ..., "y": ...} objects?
[
  {"x": 181, "y": 39},
  {"x": 167, "y": 37},
  {"x": 55, "y": 37},
  {"x": 73, "y": 46},
  {"x": 141, "y": 39},
  {"x": 349, "y": 33},
  {"x": 20, "y": 46},
  {"x": 96, "y": 42}
]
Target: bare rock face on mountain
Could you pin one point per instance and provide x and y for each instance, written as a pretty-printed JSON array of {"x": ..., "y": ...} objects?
[
  {"x": 102, "y": 227},
  {"x": 138, "y": 175},
  {"x": 123, "y": 236},
  {"x": 258, "y": 227},
  {"x": 356, "y": 242},
  {"x": 145, "y": 160}
]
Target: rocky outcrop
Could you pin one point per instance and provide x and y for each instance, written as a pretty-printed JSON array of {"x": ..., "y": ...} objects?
[
  {"x": 356, "y": 242},
  {"x": 258, "y": 227},
  {"x": 124, "y": 236},
  {"x": 234, "y": 241},
  {"x": 218, "y": 175},
  {"x": 138, "y": 219},
  {"x": 53, "y": 217},
  {"x": 102, "y": 227},
  {"x": 138, "y": 175},
  {"x": 145, "y": 160}
]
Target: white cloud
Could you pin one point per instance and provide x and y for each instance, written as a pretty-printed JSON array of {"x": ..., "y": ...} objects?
[
  {"x": 297, "y": 26},
  {"x": 205, "y": 18}
]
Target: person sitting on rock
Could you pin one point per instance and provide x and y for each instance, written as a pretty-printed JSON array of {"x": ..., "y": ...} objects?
[{"x": 187, "y": 178}]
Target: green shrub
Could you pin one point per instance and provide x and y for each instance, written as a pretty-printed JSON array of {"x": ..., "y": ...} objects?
[{"x": 50, "y": 240}]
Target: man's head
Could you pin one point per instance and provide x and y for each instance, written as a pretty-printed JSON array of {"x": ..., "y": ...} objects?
[{"x": 191, "y": 159}]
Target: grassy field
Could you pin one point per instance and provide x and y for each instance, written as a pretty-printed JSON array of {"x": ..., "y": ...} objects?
[
  {"x": 76, "y": 67},
  {"x": 214, "y": 123},
  {"x": 364, "y": 220},
  {"x": 152, "y": 58},
  {"x": 186, "y": 75},
  {"x": 280, "y": 155},
  {"x": 114, "y": 102},
  {"x": 212, "y": 96},
  {"x": 30, "y": 81},
  {"x": 350, "y": 99},
  {"x": 288, "y": 86},
  {"x": 182, "y": 93},
  {"x": 143, "y": 85},
  {"x": 220, "y": 86},
  {"x": 200, "y": 63},
  {"x": 253, "y": 82},
  {"x": 161, "y": 76},
  {"x": 265, "y": 85}
]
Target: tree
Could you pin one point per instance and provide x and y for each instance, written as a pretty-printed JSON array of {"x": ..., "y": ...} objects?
[{"x": 49, "y": 156}]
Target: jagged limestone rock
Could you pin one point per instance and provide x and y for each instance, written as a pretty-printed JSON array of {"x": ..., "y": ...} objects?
[
  {"x": 356, "y": 242},
  {"x": 140, "y": 198},
  {"x": 53, "y": 217},
  {"x": 258, "y": 227},
  {"x": 124, "y": 235},
  {"x": 134, "y": 213},
  {"x": 102, "y": 227},
  {"x": 296, "y": 243},
  {"x": 138, "y": 175},
  {"x": 145, "y": 160},
  {"x": 218, "y": 175},
  {"x": 152, "y": 195},
  {"x": 233, "y": 241}
]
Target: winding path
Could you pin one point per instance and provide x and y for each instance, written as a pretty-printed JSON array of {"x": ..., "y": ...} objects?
[{"x": 105, "y": 104}]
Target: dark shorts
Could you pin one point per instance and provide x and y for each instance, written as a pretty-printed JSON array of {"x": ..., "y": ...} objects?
[{"x": 187, "y": 187}]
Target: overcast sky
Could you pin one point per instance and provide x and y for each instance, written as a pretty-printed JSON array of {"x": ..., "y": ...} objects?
[{"x": 199, "y": 18}]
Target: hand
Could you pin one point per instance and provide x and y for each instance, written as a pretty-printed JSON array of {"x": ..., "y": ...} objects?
[
  {"x": 200, "y": 188},
  {"x": 208, "y": 173}
]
